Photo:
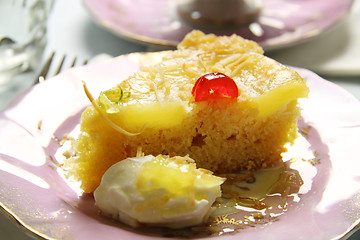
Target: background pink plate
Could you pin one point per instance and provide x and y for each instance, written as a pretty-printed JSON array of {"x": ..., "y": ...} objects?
[
  {"x": 281, "y": 23},
  {"x": 33, "y": 192}
]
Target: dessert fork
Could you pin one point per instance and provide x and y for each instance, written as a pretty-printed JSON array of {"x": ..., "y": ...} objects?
[{"x": 53, "y": 66}]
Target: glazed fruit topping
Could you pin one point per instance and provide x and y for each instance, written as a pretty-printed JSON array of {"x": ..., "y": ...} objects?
[{"x": 214, "y": 86}]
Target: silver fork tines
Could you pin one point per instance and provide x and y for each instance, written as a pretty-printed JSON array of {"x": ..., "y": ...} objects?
[{"x": 51, "y": 69}]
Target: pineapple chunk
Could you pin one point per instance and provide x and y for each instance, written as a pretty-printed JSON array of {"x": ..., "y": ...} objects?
[
  {"x": 150, "y": 115},
  {"x": 279, "y": 97},
  {"x": 267, "y": 84}
]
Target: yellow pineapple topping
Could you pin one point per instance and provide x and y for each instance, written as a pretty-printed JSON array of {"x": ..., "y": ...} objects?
[
  {"x": 158, "y": 96},
  {"x": 177, "y": 175}
]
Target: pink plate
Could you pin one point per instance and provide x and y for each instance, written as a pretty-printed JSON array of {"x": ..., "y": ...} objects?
[
  {"x": 35, "y": 194},
  {"x": 281, "y": 22}
]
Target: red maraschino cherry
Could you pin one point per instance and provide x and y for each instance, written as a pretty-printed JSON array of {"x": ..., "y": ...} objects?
[{"x": 214, "y": 86}]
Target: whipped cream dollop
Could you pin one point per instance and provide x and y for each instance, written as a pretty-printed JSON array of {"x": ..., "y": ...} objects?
[{"x": 158, "y": 191}]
